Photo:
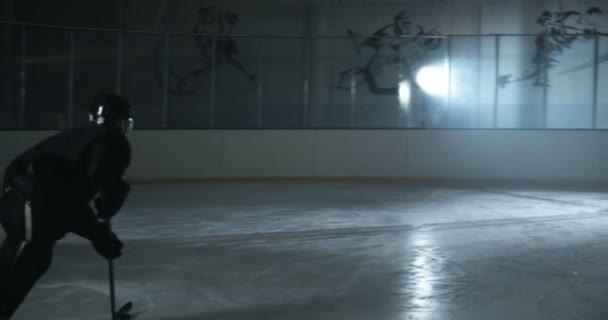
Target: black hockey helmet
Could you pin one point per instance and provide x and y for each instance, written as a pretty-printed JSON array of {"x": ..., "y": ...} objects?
[{"x": 112, "y": 110}]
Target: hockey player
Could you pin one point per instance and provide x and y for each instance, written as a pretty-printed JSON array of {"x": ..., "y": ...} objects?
[{"x": 69, "y": 182}]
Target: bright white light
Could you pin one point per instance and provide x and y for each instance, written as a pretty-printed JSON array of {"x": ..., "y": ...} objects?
[
  {"x": 405, "y": 94},
  {"x": 434, "y": 79}
]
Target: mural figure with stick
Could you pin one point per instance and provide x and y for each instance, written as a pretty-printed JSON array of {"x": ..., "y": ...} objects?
[
  {"x": 389, "y": 49},
  {"x": 215, "y": 46},
  {"x": 561, "y": 30}
]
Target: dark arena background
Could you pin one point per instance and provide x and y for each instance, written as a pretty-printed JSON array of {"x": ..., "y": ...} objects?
[{"x": 329, "y": 159}]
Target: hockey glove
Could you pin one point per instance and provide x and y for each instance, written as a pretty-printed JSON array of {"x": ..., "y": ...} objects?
[
  {"x": 23, "y": 184},
  {"x": 110, "y": 201},
  {"x": 107, "y": 244}
]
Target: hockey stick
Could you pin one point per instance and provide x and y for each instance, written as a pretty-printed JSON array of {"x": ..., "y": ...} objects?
[
  {"x": 123, "y": 312},
  {"x": 112, "y": 294}
]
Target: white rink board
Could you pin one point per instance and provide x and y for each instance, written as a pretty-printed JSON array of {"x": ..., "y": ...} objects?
[{"x": 457, "y": 154}]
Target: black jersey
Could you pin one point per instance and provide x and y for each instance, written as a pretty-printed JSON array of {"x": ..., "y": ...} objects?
[{"x": 82, "y": 161}]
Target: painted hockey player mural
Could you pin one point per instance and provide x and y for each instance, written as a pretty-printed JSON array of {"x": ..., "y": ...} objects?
[
  {"x": 560, "y": 31},
  {"x": 389, "y": 51},
  {"x": 211, "y": 21}
]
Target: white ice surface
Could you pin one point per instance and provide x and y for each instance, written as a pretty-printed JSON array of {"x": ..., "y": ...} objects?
[{"x": 342, "y": 251}]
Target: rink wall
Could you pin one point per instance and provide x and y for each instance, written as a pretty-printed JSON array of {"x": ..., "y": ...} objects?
[{"x": 451, "y": 154}]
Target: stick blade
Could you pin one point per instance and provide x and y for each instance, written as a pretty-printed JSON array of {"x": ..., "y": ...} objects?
[{"x": 123, "y": 312}]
